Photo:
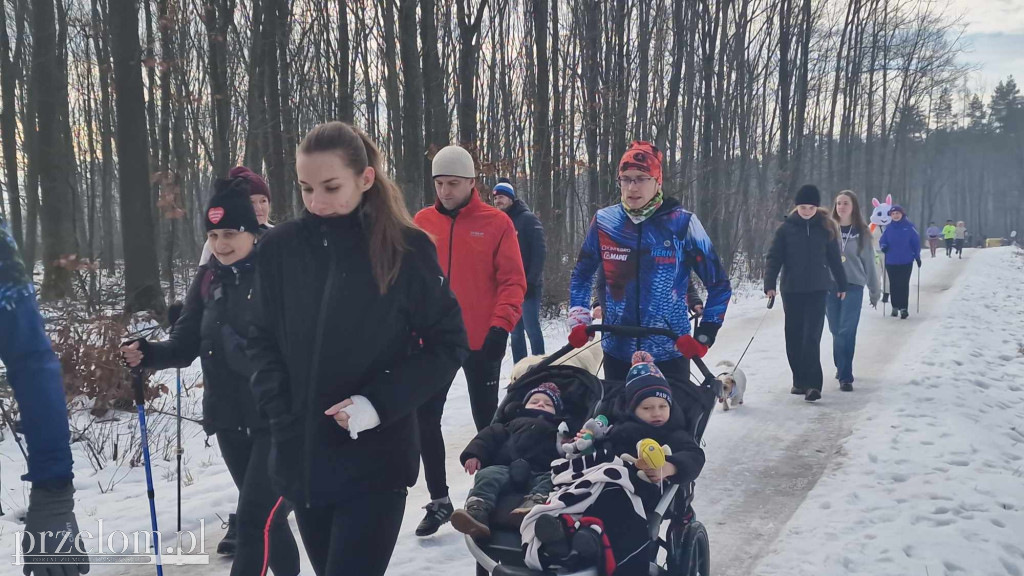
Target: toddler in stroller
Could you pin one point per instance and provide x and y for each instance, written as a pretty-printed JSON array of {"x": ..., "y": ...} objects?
[
  {"x": 516, "y": 454},
  {"x": 575, "y": 512}
]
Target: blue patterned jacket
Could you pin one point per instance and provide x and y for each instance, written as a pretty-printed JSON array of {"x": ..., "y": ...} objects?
[{"x": 646, "y": 274}]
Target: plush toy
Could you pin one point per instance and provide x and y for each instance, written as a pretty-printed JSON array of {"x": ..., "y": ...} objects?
[
  {"x": 595, "y": 429},
  {"x": 880, "y": 215},
  {"x": 651, "y": 454}
]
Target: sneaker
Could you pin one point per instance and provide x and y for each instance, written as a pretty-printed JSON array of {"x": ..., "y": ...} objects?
[
  {"x": 894, "y": 313},
  {"x": 438, "y": 513},
  {"x": 229, "y": 543},
  {"x": 797, "y": 391},
  {"x": 846, "y": 386},
  {"x": 473, "y": 519},
  {"x": 812, "y": 395},
  {"x": 904, "y": 314},
  {"x": 528, "y": 503}
]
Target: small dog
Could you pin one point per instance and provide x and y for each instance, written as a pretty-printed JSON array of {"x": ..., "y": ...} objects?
[
  {"x": 734, "y": 384},
  {"x": 589, "y": 358}
]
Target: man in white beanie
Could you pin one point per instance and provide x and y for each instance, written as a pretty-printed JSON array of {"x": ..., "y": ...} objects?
[{"x": 479, "y": 254}]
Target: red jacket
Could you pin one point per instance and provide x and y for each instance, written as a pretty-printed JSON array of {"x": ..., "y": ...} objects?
[{"x": 479, "y": 253}]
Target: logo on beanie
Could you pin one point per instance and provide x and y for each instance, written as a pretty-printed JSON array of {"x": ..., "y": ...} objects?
[{"x": 215, "y": 214}]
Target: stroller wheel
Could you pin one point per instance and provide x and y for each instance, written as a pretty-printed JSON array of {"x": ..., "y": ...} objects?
[{"x": 690, "y": 552}]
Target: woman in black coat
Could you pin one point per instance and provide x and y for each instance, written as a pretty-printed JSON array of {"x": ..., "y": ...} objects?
[
  {"x": 806, "y": 251},
  {"x": 213, "y": 326},
  {"x": 357, "y": 328}
]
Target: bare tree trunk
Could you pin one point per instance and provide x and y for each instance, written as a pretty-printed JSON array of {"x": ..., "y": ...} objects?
[
  {"x": 9, "y": 127},
  {"x": 274, "y": 154},
  {"x": 346, "y": 109},
  {"x": 591, "y": 88},
  {"x": 55, "y": 177},
  {"x": 141, "y": 272},
  {"x": 291, "y": 183},
  {"x": 412, "y": 106},
  {"x": 391, "y": 87},
  {"x": 801, "y": 94},
  {"x": 256, "y": 118},
  {"x": 106, "y": 128},
  {"x": 541, "y": 119},
  {"x": 435, "y": 113},
  {"x": 218, "y": 17},
  {"x": 469, "y": 57}
]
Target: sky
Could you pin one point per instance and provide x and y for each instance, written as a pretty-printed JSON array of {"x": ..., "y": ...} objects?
[{"x": 995, "y": 34}]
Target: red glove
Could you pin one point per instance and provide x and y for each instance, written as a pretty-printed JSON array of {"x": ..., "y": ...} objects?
[
  {"x": 578, "y": 336},
  {"x": 690, "y": 348}
]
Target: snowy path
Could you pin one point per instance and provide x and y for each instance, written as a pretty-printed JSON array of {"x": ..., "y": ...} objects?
[{"x": 763, "y": 458}]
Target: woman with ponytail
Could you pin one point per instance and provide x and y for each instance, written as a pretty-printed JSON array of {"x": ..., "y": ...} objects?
[{"x": 356, "y": 327}]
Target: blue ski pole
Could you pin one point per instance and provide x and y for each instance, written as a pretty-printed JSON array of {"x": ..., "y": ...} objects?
[
  {"x": 173, "y": 313},
  {"x": 140, "y": 403}
]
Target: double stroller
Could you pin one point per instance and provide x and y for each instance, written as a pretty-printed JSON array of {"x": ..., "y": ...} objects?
[{"x": 684, "y": 548}]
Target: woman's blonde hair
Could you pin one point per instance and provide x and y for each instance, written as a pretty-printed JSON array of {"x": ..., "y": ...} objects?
[
  {"x": 961, "y": 223},
  {"x": 382, "y": 210}
]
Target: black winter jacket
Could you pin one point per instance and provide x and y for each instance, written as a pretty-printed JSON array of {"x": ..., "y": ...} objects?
[
  {"x": 532, "y": 245},
  {"x": 687, "y": 456},
  {"x": 805, "y": 253},
  {"x": 324, "y": 333},
  {"x": 213, "y": 325},
  {"x": 531, "y": 436}
]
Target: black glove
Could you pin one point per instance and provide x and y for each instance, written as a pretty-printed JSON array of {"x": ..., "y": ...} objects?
[
  {"x": 143, "y": 347},
  {"x": 495, "y": 343},
  {"x": 918, "y": 260},
  {"x": 706, "y": 333},
  {"x": 52, "y": 511}
]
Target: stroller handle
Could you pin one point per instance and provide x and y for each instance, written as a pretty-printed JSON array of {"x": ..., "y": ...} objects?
[{"x": 645, "y": 332}]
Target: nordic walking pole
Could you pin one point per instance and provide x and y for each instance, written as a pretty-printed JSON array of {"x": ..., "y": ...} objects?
[
  {"x": 140, "y": 403},
  {"x": 918, "y": 289},
  {"x": 173, "y": 313}
]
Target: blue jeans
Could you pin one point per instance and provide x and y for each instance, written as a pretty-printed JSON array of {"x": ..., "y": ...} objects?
[
  {"x": 843, "y": 318},
  {"x": 529, "y": 325}
]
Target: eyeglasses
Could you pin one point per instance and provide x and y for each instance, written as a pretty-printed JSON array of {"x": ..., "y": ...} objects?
[{"x": 625, "y": 182}]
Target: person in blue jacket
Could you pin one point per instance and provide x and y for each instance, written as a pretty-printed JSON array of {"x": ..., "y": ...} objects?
[
  {"x": 646, "y": 246},
  {"x": 901, "y": 245},
  {"x": 34, "y": 374}
]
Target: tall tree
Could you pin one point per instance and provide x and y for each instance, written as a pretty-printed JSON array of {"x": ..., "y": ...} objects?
[
  {"x": 218, "y": 16},
  {"x": 9, "y": 126},
  {"x": 141, "y": 270},
  {"x": 469, "y": 59},
  {"x": 412, "y": 106},
  {"x": 55, "y": 178},
  {"x": 541, "y": 118}
]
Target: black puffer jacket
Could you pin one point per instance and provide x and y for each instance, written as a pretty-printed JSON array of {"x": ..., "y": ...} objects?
[
  {"x": 804, "y": 251},
  {"x": 687, "y": 456},
  {"x": 532, "y": 245},
  {"x": 531, "y": 436},
  {"x": 213, "y": 324},
  {"x": 324, "y": 333}
]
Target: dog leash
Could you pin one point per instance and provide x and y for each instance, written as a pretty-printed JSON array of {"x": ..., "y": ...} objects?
[{"x": 771, "y": 303}]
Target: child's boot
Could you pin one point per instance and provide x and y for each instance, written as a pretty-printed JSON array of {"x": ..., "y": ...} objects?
[
  {"x": 474, "y": 519},
  {"x": 528, "y": 503}
]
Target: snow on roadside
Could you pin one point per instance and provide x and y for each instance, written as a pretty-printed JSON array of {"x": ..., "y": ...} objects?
[{"x": 931, "y": 481}]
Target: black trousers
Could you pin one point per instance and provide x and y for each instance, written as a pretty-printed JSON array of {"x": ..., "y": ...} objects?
[
  {"x": 949, "y": 247},
  {"x": 246, "y": 458},
  {"x": 482, "y": 375},
  {"x": 805, "y": 320},
  {"x": 899, "y": 284},
  {"x": 355, "y": 537}
]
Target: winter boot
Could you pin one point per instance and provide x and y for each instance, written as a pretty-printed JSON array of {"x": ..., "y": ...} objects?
[
  {"x": 797, "y": 391},
  {"x": 555, "y": 536},
  {"x": 528, "y": 503},
  {"x": 904, "y": 314},
  {"x": 230, "y": 541},
  {"x": 812, "y": 395},
  {"x": 473, "y": 520},
  {"x": 438, "y": 513},
  {"x": 846, "y": 386},
  {"x": 894, "y": 313},
  {"x": 590, "y": 545}
]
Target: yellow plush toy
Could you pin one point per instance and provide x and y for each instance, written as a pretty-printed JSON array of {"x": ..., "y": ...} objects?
[{"x": 651, "y": 453}]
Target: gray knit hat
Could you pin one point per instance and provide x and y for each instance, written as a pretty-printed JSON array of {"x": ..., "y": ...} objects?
[{"x": 453, "y": 161}]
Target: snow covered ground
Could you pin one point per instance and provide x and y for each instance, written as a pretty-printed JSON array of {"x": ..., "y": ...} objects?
[{"x": 919, "y": 471}]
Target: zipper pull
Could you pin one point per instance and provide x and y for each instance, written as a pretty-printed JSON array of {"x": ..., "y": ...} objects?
[{"x": 323, "y": 232}]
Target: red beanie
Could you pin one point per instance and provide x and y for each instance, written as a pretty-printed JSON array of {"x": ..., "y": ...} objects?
[
  {"x": 642, "y": 156},
  {"x": 257, "y": 185}
]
